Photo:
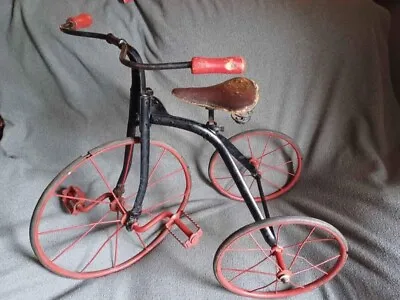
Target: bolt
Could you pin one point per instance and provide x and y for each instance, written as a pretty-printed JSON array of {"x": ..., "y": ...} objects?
[
  {"x": 285, "y": 278},
  {"x": 149, "y": 92}
]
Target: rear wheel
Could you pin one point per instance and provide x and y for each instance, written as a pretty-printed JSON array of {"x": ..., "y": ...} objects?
[
  {"x": 276, "y": 157},
  {"x": 78, "y": 226}
]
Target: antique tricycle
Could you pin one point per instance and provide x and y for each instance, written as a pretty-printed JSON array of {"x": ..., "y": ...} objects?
[{"x": 110, "y": 207}]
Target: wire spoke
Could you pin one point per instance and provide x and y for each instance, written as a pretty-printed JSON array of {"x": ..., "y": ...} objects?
[
  {"x": 151, "y": 208},
  {"x": 309, "y": 242},
  {"x": 101, "y": 248},
  {"x": 248, "y": 142},
  {"x": 233, "y": 181},
  {"x": 276, "y": 169},
  {"x": 152, "y": 184},
  {"x": 230, "y": 177},
  {"x": 301, "y": 247},
  {"x": 307, "y": 261},
  {"x": 284, "y": 163},
  {"x": 81, "y": 237},
  {"x": 116, "y": 244},
  {"x": 271, "y": 183},
  {"x": 81, "y": 199},
  {"x": 317, "y": 265},
  {"x": 244, "y": 249},
  {"x": 141, "y": 240},
  {"x": 156, "y": 165},
  {"x": 248, "y": 271},
  {"x": 251, "y": 184},
  {"x": 77, "y": 227},
  {"x": 106, "y": 183},
  {"x": 268, "y": 256},
  {"x": 272, "y": 151},
  {"x": 262, "y": 154},
  {"x": 265, "y": 147},
  {"x": 264, "y": 286}
]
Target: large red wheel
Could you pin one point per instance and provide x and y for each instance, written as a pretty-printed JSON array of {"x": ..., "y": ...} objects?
[
  {"x": 78, "y": 226},
  {"x": 309, "y": 253},
  {"x": 276, "y": 157}
]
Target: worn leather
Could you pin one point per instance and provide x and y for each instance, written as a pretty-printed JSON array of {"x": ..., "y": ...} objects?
[{"x": 238, "y": 95}]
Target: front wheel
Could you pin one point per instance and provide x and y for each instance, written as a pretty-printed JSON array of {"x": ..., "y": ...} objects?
[
  {"x": 309, "y": 253},
  {"x": 78, "y": 226}
]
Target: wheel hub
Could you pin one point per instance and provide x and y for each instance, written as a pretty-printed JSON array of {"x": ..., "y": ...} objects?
[
  {"x": 255, "y": 162},
  {"x": 284, "y": 276}
]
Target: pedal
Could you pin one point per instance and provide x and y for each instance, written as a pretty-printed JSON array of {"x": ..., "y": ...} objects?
[
  {"x": 192, "y": 236},
  {"x": 73, "y": 206}
]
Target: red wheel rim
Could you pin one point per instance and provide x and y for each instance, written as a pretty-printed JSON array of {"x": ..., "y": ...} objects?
[
  {"x": 246, "y": 265},
  {"x": 105, "y": 245},
  {"x": 274, "y": 154}
]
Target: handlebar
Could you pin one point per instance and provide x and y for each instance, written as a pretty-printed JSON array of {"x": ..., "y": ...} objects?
[
  {"x": 221, "y": 65},
  {"x": 80, "y": 21},
  {"x": 198, "y": 65}
]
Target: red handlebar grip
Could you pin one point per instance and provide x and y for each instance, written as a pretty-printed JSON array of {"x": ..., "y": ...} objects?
[
  {"x": 224, "y": 65},
  {"x": 83, "y": 20}
]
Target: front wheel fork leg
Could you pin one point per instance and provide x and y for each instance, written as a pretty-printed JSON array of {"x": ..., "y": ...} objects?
[
  {"x": 131, "y": 220},
  {"x": 267, "y": 233},
  {"x": 284, "y": 274}
]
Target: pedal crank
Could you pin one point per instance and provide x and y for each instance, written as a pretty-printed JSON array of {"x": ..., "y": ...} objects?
[{"x": 74, "y": 200}]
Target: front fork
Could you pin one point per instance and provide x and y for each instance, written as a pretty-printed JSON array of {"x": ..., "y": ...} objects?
[{"x": 144, "y": 127}]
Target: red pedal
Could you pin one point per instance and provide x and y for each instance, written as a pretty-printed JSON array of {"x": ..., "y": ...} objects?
[
  {"x": 193, "y": 238},
  {"x": 73, "y": 206}
]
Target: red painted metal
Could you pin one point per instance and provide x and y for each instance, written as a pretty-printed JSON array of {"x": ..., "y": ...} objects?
[
  {"x": 274, "y": 286},
  {"x": 224, "y": 65},
  {"x": 277, "y": 251},
  {"x": 250, "y": 138},
  {"x": 74, "y": 200},
  {"x": 193, "y": 238},
  {"x": 116, "y": 204},
  {"x": 118, "y": 218},
  {"x": 80, "y": 21},
  {"x": 73, "y": 205},
  {"x": 136, "y": 227}
]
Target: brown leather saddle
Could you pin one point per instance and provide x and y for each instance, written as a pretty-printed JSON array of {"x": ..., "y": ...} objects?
[{"x": 237, "y": 95}]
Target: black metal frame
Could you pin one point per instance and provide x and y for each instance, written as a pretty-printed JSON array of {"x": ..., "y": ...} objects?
[{"x": 145, "y": 109}]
